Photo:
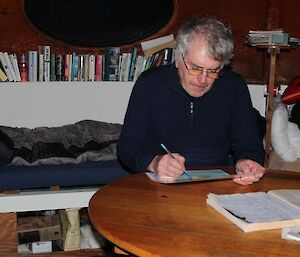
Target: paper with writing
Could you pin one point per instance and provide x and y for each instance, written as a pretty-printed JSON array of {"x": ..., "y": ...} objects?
[
  {"x": 196, "y": 175},
  {"x": 257, "y": 207}
]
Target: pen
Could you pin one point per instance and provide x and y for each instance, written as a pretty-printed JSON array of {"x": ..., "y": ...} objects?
[{"x": 169, "y": 153}]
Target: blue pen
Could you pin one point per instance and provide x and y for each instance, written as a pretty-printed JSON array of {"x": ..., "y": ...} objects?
[{"x": 169, "y": 153}]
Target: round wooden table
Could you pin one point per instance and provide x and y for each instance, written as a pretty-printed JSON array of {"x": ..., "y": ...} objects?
[{"x": 146, "y": 218}]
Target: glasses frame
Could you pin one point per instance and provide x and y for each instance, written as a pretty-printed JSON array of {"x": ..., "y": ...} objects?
[{"x": 213, "y": 74}]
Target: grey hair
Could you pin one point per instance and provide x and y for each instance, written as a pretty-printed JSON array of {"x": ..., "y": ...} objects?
[{"x": 219, "y": 38}]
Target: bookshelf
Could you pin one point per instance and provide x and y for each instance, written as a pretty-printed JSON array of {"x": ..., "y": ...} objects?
[{"x": 44, "y": 65}]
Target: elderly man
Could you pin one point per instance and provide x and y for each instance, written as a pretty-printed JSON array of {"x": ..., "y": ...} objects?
[{"x": 197, "y": 107}]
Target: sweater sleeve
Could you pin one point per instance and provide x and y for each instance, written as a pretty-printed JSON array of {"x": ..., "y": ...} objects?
[
  {"x": 245, "y": 140},
  {"x": 133, "y": 147}
]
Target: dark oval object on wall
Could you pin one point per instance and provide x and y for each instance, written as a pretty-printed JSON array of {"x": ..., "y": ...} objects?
[{"x": 99, "y": 23}]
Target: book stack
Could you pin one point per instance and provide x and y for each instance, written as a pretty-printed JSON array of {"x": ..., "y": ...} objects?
[{"x": 269, "y": 37}]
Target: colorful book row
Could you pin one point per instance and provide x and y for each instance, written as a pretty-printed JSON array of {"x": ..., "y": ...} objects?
[{"x": 112, "y": 65}]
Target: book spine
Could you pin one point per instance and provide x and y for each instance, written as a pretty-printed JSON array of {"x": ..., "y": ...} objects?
[
  {"x": 70, "y": 67},
  {"x": 10, "y": 66},
  {"x": 74, "y": 67},
  {"x": 80, "y": 67},
  {"x": 129, "y": 59},
  {"x": 32, "y": 65},
  {"x": 132, "y": 64},
  {"x": 59, "y": 67},
  {"x": 52, "y": 67},
  {"x": 3, "y": 76},
  {"x": 14, "y": 61},
  {"x": 122, "y": 67},
  {"x": 92, "y": 63},
  {"x": 155, "y": 60},
  {"x": 23, "y": 66},
  {"x": 86, "y": 67},
  {"x": 47, "y": 59},
  {"x": 99, "y": 68},
  {"x": 112, "y": 55},
  {"x": 139, "y": 64},
  {"x": 5, "y": 67},
  {"x": 66, "y": 66},
  {"x": 167, "y": 56},
  {"x": 40, "y": 63}
]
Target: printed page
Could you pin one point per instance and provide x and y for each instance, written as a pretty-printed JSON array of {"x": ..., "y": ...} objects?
[
  {"x": 196, "y": 175},
  {"x": 257, "y": 207},
  {"x": 291, "y": 196}
]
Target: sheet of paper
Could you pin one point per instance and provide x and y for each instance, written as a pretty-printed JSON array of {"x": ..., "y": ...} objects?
[
  {"x": 257, "y": 207},
  {"x": 291, "y": 233},
  {"x": 196, "y": 175}
]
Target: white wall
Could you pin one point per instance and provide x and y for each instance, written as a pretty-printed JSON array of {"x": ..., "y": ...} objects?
[
  {"x": 37, "y": 104},
  {"x": 59, "y": 103}
]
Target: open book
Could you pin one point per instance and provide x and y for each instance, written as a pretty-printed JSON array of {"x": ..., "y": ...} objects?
[{"x": 259, "y": 211}]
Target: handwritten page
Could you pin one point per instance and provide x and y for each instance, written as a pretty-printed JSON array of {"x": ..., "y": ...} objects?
[
  {"x": 257, "y": 207},
  {"x": 196, "y": 175}
]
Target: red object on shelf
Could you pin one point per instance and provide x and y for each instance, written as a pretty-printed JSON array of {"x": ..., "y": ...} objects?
[{"x": 291, "y": 94}]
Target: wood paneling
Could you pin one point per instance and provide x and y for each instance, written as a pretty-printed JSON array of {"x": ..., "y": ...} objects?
[{"x": 17, "y": 35}]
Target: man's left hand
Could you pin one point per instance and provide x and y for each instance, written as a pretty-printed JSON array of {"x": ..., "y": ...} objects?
[{"x": 248, "y": 172}]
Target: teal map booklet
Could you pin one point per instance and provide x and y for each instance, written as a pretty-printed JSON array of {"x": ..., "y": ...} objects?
[{"x": 195, "y": 175}]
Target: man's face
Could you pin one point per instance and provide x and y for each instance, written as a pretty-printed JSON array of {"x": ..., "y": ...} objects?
[{"x": 197, "y": 57}]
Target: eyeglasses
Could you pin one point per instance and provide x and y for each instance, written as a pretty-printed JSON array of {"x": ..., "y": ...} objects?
[{"x": 196, "y": 71}]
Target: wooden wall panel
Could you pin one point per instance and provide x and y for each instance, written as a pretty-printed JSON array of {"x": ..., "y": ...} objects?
[
  {"x": 241, "y": 16},
  {"x": 18, "y": 36},
  {"x": 288, "y": 61}
]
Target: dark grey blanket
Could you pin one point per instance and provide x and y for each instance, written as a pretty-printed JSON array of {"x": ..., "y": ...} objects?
[{"x": 86, "y": 140}]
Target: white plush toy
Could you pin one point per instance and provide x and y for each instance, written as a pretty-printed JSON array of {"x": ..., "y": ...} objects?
[
  {"x": 88, "y": 239},
  {"x": 285, "y": 135}
]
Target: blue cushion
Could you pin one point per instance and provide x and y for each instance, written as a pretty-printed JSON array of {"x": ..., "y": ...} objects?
[{"x": 84, "y": 174}]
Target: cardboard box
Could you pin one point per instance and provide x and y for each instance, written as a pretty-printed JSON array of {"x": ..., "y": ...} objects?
[
  {"x": 41, "y": 247},
  {"x": 277, "y": 163},
  {"x": 38, "y": 228}
]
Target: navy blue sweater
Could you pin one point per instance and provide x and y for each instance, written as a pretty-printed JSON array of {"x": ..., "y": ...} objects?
[{"x": 204, "y": 130}]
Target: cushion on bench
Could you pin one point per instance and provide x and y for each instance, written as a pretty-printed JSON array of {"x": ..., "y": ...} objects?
[
  {"x": 79, "y": 154},
  {"x": 66, "y": 175}
]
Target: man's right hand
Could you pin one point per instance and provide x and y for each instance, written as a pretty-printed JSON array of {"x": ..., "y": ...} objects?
[{"x": 167, "y": 166}]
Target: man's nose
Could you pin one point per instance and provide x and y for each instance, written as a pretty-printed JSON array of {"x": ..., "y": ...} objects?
[{"x": 202, "y": 78}]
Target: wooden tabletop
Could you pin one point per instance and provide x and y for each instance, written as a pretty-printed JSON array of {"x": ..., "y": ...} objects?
[{"x": 146, "y": 218}]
